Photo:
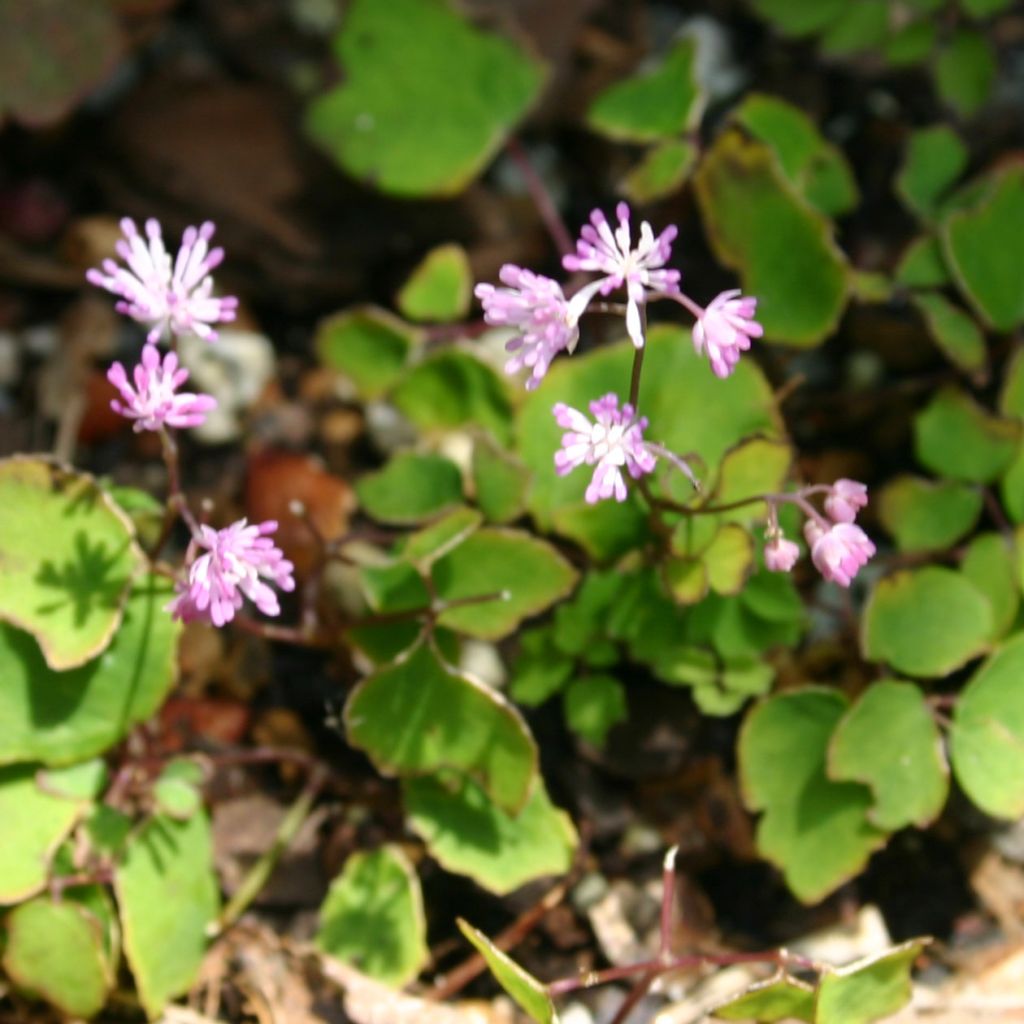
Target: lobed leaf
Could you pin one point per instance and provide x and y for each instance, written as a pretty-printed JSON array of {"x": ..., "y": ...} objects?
[
  {"x": 470, "y": 835},
  {"x": 426, "y": 100},
  {"x": 418, "y": 716},
  {"x": 815, "y": 830}
]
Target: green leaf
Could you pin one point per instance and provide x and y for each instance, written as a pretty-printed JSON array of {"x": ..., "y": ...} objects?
[
  {"x": 55, "y": 951},
  {"x": 58, "y": 717},
  {"x": 757, "y": 465},
  {"x": 986, "y": 251},
  {"x": 662, "y": 170},
  {"x": 889, "y": 741},
  {"x": 781, "y": 247},
  {"x": 989, "y": 565},
  {"x": 35, "y": 823},
  {"x": 912, "y": 44},
  {"x": 427, "y": 99},
  {"x": 1011, "y": 488},
  {"x": 657, "y": 103},
  {"x": 176, "y": 791},
  {"x": 965, "y": 71},
  {"x": 366, "y": 344},
  {"x": 686, "y": 579},
  {"x": 987, "y": 738},
  {"x": 720, "y": 686},
  {"x": 528, "y": 993},
  {"x": 593, "y": 704},
  {"x": 145, "y": 512},
  {"x": 372, "y": 917},
  {"x": 438, "y": 290},
  {"x": 928, "y": 515},
  {"x": 957, "y": 438},
  {"x": 816, "y": 168},
  {"x": 540, "y": 670},
  {"x": 781, "y": 998},
  {"x": 451, "y": 389},
  {"x": 814, "y": 829},
  {"x": 935, "y": 159},
  {"x": 468, "y": 834},
  {"x": 52, "y": 54},
  {"x": 800, "y": 17},
  {"x": 419, "y": 716},
  {"x": 68, "y": 556},
  {"x": 729, "y": 559},
  {"x": 926, "y": 622},
  {"x": 954, "y": 331},
  {"x": 862, "y": 26},
  {"x": 432, "y": 542},
  {"x": 526, "y": 573},
  {"x": 673, "y": 394},
  {"x": 501, "y": 481},
  {"x": 870, "y": 989},
  {"x": 1011, "y": 394},
  {"x": 168, "y": 897},
  {"x": 922, "y": 264},
  {"x": 410, "y": 488}
]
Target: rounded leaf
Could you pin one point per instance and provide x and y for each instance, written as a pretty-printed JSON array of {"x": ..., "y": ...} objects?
[
  {"x": 438, "y": 289},
  {"x": 816, "y": 830},
  {"x": 68, "y": 556},
  {"x": 926, "y": 622},
  {"x": 889, "y": 741},
  {"x": 60, "y": 717},
  {"x": 418, "y": 716},
  {"x": 426, "y": 98},
  {"x": 988, "y": 733},
  {"x": 372, "y": 917},
  {"x": 468, "y": 834}
]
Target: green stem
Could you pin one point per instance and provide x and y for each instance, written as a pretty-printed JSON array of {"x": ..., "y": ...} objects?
[{"x": 261, "y": 871}]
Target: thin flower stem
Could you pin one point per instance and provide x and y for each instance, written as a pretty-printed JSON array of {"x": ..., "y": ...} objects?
[
  {"x": 542, "y": 198},
  {"x": 684, "y": 300},
  {"x": 658, "y": 966},
  {"x": 680, "y": 463},
  {"x": 102, "y": 875},
  {"x": 299, "y": 636},
  {"x": 261, "y": 871},
  {"x": 638, "y": 363}
]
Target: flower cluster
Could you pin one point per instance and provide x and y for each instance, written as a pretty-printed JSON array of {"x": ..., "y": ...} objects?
[
  {"x": 839, "y": 548},
  {"x": 172, "y": 298},
  {"x": 237, "y": 563},
  {"x": 547, "y": 321},
  {"x": 612, "y": 442},
  {"x": 154, "y": 401},
  {"x": 169, "y": 297}
]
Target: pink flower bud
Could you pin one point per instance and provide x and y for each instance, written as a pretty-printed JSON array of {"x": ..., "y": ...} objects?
[
  {"x": 839, "y": 552},
  {"x": 780, "y": 554},
  {"x": 845, "y": 499}
]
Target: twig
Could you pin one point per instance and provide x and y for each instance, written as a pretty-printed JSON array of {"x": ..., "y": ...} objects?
[{"x": 460, "y": 976}]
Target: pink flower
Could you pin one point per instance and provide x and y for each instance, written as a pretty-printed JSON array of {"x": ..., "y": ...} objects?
[
  {"x": 844, "y": 500},
  {"x": 839, "y": 552},
  {"x": 169, "y": 298},
  {"x": 780, "y": 554},
  {"x": 536, "y": 307},
  {"x": 725, "y": 330},
  {"x": 153, "y": 402},
  {"x": 238, "y": 563},
  {"x": 614, "y": 441},
  {"x": 641, "y": 270}
]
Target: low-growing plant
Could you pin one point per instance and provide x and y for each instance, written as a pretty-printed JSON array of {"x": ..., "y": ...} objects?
[{"x": 616, "y": 507}]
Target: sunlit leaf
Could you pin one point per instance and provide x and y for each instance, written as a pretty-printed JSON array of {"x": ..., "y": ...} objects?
[
  {"x": 372, "y": 917},
  {"x": 438, "y": 290},
  {"x": 426, "y": 99},
  {"x": 68, "y": 556}
]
